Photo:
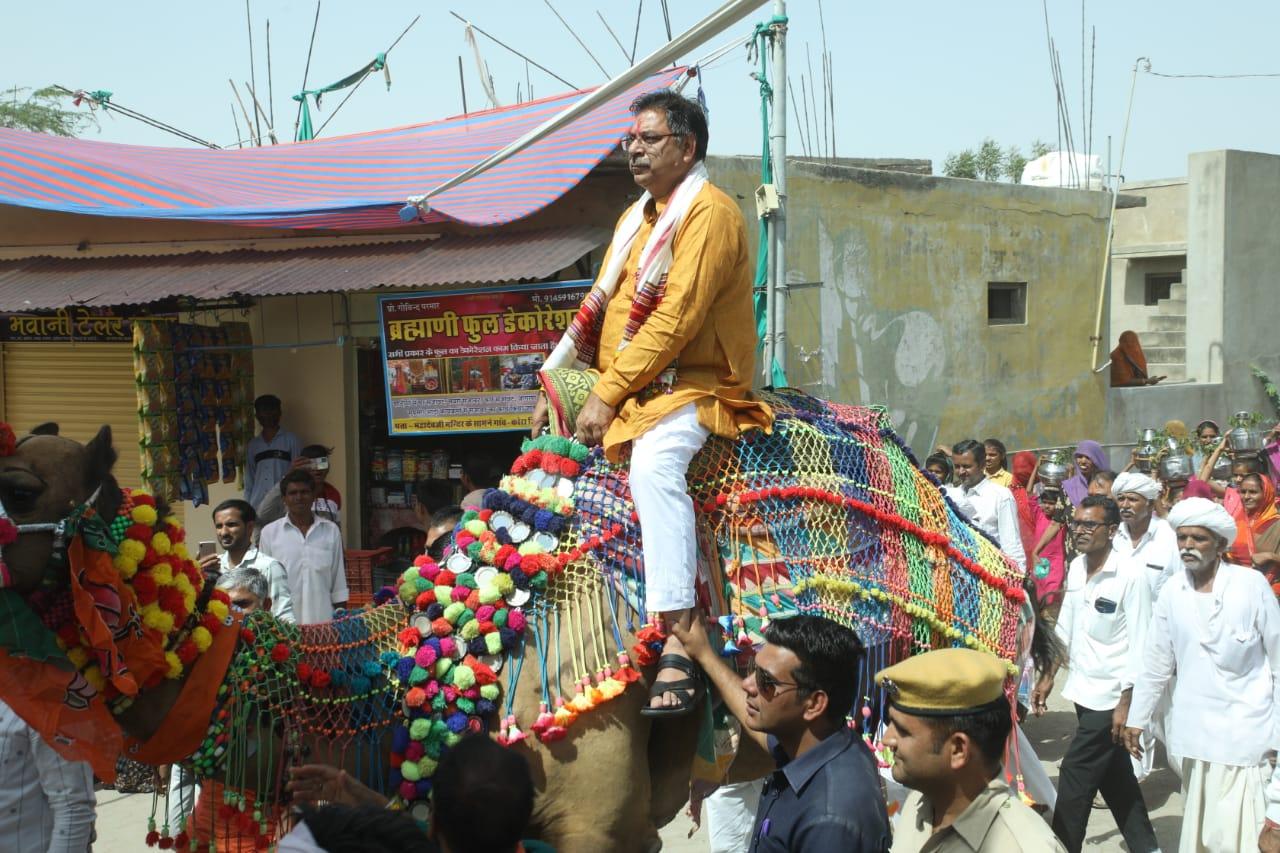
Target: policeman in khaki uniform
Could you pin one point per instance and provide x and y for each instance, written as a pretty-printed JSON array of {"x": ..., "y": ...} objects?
[{"x": 948, "y": 721}]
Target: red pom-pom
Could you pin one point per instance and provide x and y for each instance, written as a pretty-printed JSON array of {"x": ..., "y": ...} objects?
[
  {"x": 225, "y": 812},
  {"x": 7, "y": 440},
  {"x": 262, "y": 842},
  {"x": 212, "y": 625},
  {"x": 171, "y": 600},
  {"x": 142, "y": 499},
  {"x": 409, "y": 638},
  {"x": 320, "y": 679},
  {"x": 245, "y": 634},
  {"x": 140, "y": 532},
  {"x": 442, "y": 627},
  {"x": 144, "y": 586},
  {"x": 446, "y": 578},
  {"x": 304, "y": 672},
  {"x": 279, "y": 653},
  {"x": 181, "y": 841},
  {"x": 187, "y": 652},
  {"x": 153, "y": 838},
  {"x": 569, "y": 468},
  {"x": 165, "y": 843},
  {"x": 8, "y": 531}
]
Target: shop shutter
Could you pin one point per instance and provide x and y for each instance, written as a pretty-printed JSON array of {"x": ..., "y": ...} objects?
[{"x": 80, "y": 386}]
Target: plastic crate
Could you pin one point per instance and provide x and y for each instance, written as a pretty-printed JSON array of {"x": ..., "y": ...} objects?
[{"x": 360, "y": 574}]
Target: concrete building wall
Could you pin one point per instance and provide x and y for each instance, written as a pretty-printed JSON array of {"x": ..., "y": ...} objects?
[{"x": 889, "y": 276}]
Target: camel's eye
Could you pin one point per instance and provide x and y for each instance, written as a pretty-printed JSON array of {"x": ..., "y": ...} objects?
[{"x": 20, "y": 490}]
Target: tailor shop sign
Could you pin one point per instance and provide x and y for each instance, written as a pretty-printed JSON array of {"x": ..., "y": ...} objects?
[{"x": 67, "y": 324}]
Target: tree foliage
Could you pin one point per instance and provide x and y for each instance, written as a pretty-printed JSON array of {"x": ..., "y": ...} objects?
[
  {"x": 990, "y": 162},
  {"x": 41, "y": 111}
]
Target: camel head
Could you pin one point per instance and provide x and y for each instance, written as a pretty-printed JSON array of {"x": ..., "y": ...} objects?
[{"x": 42, "y": 482}]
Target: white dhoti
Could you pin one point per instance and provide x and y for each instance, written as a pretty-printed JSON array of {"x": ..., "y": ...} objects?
[
  {"x": 659, "y": 462},
  {"x": 1223, "y": 806},
  {"x": 731, "y": 815}
]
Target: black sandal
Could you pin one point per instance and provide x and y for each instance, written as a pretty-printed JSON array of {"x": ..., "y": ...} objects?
[{"x": 687, "y": 690}]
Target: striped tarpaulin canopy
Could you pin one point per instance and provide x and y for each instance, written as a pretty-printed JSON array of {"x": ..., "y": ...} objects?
[{"x": 348, "y": 182}]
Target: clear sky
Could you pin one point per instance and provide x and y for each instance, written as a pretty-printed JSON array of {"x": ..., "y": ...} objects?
[{"x": 910, "y": 79}]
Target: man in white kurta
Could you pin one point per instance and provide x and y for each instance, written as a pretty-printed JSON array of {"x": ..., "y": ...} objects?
[
  {"x": 1218, "y": 625},
  {"x": 994, "y": 510}
]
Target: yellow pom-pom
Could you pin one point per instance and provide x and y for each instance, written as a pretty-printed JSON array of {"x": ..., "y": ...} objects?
[
  {"x": 162, "y": 574},
  {"x": 202, "y": 638},
  {"x": 143, "y": 514},
  {"x": 125, "y": 566},
  {"x": 78, "y": 656},
  {"x": 175, "y": 665},
  {"x": 180, "y": 551},
  {"x": 133, "y": 549},
  {"x": 161, "y": 544},
  {"x": 218, "y": 609},
  {"x": 189, "y": 600},
  {"x": 173, "y": 521},
  {"x": 156, "y": 619},
  {"x": 93, "y": 675},
  {"x": 182, "y": 584}
]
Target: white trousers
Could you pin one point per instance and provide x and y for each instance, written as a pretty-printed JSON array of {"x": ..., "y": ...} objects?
[
  {"x": 659, "y": 462},
  {"x": 731, "y": 814},
  {"x": 1222, "y": 806}
]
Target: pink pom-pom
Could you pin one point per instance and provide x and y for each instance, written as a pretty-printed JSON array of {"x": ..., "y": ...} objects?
[
  {"x": 460, "y": 593},
  {"x": 408, "y": 790},
  {"x": 413, "y": 751},
  {"x": 515, "y": 620},
  {"x": 432, "y": 688},
  {"x": 450, "y": 694},
  {"x": 425, "y": 657},
  {"x": 484, "y": 613},
  {"x": 447, "y": 646}
]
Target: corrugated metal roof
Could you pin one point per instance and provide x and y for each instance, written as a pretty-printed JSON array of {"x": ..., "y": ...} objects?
[
  {"x": 348, "y": 182},
  {"x": 46, "y": 283}
]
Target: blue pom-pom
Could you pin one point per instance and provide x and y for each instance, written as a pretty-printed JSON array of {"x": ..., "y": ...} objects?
[
  {"x": 360, "y": 685},
  {"x": 557, "y": 524},
  {"x": 424, "y": 788},
  {"x": 396, "y": 778},
  {"x": 477, "y": 647},
  {"x": 457, "y": 722},
  {"x": 400, "y": 739},
  {"x": 372, "y": 669},
  {"x": 494, "y": 499},
  {"x": 503, "y": 536},
  {"x": 337, "y": 678},
  {"x": 484, "y": 707},
  {"x": 519, "y": 578},
  {"x": 434, "y": 642},
  {"x": 509, "y": 638},
  {"x": 404, "y": 667},
  {"x": 529, "y": 514},
  {"x": 435, "y": 611},
  {"x": 389, "y": 658},
  {"x": 542, "y": 519}
]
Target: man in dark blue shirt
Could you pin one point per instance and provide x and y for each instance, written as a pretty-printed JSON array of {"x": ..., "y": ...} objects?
[{"x": 825, "y": 794}]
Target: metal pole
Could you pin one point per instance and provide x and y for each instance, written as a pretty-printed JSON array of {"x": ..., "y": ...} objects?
[
  {"x": 778, "y": 147},
  {"x": 1111, "y": 219}
]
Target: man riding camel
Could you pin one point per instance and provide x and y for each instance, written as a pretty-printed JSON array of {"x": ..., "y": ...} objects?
[{"x": 668, "y": 328}]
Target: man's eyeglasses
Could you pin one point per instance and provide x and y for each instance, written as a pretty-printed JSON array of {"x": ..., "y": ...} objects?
[
  {"x": 648, "y": 140},
  {"x": 767, "y": 684},
  {"x": 1086, "y": 526}
]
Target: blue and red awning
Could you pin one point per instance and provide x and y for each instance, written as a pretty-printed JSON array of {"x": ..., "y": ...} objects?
[{"x": 350, "y": 182}]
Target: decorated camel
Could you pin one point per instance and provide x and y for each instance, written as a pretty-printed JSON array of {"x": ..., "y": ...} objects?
[{"x": 531, "y": 630}]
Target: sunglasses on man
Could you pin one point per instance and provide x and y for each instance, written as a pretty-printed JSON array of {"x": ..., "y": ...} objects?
[{"x": 767, "y": 684}]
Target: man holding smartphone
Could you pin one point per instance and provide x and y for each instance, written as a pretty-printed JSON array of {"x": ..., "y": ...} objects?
[
  {"x": 234, "y": 522},
  {"x": 314, "y": 459}
]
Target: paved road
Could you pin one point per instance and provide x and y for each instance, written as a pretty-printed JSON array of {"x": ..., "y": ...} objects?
[{"x": 122, "y": 818}]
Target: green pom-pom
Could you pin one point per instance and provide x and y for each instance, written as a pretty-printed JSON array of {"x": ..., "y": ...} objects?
[
  {"x": 409, "y": 770},
  {"x": 463, "y": 677},
  {"x": 407, "y": 593},
  {"x": 493, "y": 642},
  {"x": 418, "y": 675},
  {"x": 500, "y": 617},
  {"x": 489, "y": 691},
  {"x": 443, "y": 665},
  {"x": 453, "y": 611},
  {"x": 420, "y": 728},
  {"x": 466, "y": 579},
  {"x": 489, "y": 594},
  {"x": 465, "y": 705},
  {"x": 471, "y": 630},
  {"x": 439, "y": 703},
  {"x": 504, "y": 583},
  {"x": 452, "y": 739}
]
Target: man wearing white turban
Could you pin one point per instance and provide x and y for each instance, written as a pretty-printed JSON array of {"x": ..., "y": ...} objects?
[
  {"x": 1144, "y": 537},
  {"x": 1218, "y": 625}
]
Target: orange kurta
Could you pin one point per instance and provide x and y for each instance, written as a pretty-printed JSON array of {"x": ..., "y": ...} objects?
[{"x": 704, "y": 323}]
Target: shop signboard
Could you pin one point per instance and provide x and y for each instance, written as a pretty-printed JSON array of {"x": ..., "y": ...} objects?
[
  {"x": 467, "y": 361},
  {"x": 67, "y": 324}
]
